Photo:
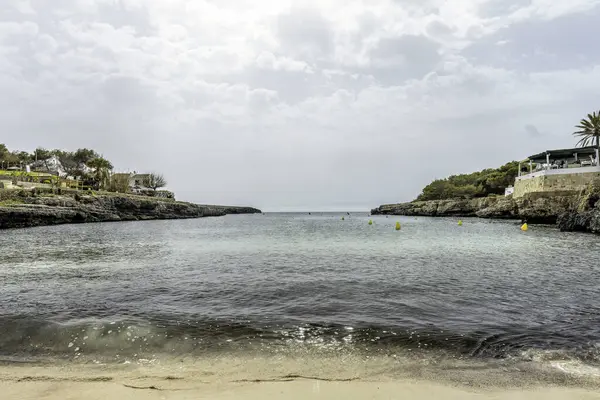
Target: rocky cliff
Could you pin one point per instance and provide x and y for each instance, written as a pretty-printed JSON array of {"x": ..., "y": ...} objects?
[
  {"x": 495, "y": 207},
  {"x": 570, "y": 211},
  {"x": 23, "y": 208},
  {"x": 534, "y": 207},
  {"x": 585, "y": 215}
]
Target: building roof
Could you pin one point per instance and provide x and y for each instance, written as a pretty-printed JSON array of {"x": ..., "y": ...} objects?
[{"x": 564, "y": 153}]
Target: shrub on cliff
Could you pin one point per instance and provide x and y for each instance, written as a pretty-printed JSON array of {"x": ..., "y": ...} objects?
[
  {"x": 467, "y": 186},
  {"x": 590, "y": 197},
  {"x": 155, "y": 181}
]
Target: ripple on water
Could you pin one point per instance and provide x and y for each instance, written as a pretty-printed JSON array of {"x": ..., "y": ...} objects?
[{"x": 485, "y": 290}]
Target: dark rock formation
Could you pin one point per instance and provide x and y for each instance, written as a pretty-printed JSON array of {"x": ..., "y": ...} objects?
[
  {"x": 238, "y": 210},
  {"x": 584, "y": 216},
  {"x": 497, "y": 207},
  {"x": 569, "y": 210},
  {"x": 19, "y": 209},
  {"x": 587, "y": 221},
  {"x": 545, "y": 207},
  {"x": 541, "y": 208},
  {"x": 489, "y": 207}
]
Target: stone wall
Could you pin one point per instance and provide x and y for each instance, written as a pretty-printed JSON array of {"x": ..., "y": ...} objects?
[
  {"x": 32, "y": 185},
  {"x": 554, "y": 183}
]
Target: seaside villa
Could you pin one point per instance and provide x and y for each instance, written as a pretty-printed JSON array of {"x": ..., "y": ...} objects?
[
  {"x": 134, "y": 180},
  {"x": 563, "y": 170}
]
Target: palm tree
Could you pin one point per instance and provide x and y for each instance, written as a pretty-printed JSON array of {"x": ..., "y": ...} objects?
[
  {"x": 102, "y": 168},
  {"x": 589, "y": 130}
]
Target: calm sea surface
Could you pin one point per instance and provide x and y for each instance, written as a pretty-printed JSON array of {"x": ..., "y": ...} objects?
[{"x": 280, "y": 283}]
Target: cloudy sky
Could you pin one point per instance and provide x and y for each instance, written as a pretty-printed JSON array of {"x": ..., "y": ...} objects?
[{"x": 298, "y": 104}]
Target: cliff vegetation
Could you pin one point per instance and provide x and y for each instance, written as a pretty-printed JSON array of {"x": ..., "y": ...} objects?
[{"x": 491, "y": 181}]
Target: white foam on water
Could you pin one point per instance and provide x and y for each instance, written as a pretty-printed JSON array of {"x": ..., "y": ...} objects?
[{"x": 576, "y": 368}]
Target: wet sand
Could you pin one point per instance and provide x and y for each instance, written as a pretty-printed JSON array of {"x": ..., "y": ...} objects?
[
  {"x": 277, "y": 378},
  {"x": 293, "y": 389}
]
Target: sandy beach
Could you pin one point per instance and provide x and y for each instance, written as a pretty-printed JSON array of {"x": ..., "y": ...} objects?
[
  {"x": 255, "y": 378},
  {"x": 20, "y": 385}
]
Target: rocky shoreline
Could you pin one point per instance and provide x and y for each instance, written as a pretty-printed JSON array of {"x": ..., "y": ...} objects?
[
  {"x": 26, "y": 208},
  {"x": 570, "y": 211}
]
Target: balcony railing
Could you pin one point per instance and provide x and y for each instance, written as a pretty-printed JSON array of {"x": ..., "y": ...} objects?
[{"x": 560, "y": 171}]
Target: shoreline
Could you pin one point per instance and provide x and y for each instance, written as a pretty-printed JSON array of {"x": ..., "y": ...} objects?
[
  {"x": 274, "y": 378},
  {"x": 569, "y": 211},
  {"x": 27, "y": 208}
]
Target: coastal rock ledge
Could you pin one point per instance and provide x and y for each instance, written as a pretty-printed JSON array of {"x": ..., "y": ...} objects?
[
  {"x": 535, "y": 207},
  {"x": 585, "y": 215},
  {"x": 570, "y": 211},
  {"x": 23, "y": 208}
]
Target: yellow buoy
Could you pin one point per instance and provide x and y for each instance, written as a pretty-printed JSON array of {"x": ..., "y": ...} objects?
[
  {"x": 397, "y": 226},
  {"x": 370, "y": 222},
  {"x": 524, "y": 227},
  {"x": 459, "y": 222}
]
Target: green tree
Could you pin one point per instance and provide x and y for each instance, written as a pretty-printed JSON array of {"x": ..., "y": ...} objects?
[
  {"x": 155, "y": 181},
  {"x": 589, "y": 130},
  {"x": 102, "y": 169},
  {"x": 477, "y": 184},
  {"x": 436, "y": 190},
  {"x": 67, "y": 160},
  {"x": 8, "y": 158},
  {"x": 84, "y": 156},
  {"x": 25, "y": 157},
  {"x": 3, "y": 151},
  {"x": 41, "y": 154},
  {"x": 119, "y": 183},
  {"x": 12, "y": 159}
]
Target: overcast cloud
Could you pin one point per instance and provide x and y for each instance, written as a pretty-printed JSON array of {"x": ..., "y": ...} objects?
[{"x": 283, "y": 104}]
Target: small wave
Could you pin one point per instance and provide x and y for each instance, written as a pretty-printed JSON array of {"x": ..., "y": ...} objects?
[
  {"x": 577, "y": 368},
  {"x": 126, "y": 338}
]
